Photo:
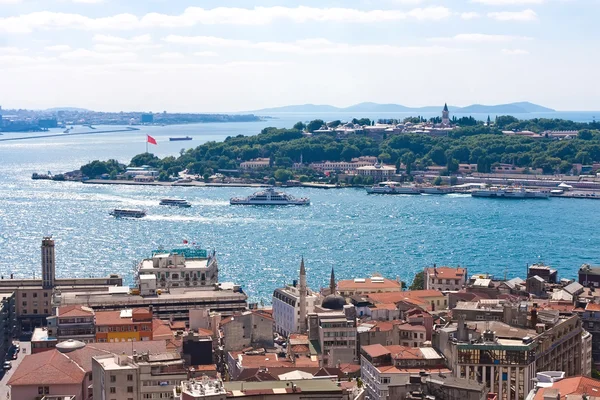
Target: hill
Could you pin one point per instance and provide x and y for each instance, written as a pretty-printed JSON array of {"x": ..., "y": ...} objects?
[{"x": 512, "y": 108}]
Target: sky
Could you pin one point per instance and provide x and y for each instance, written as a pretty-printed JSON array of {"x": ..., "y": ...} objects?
[{"x": 225, "y": 55}]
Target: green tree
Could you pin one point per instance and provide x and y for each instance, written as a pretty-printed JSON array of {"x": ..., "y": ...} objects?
[
  {"x": 585, "y": 134},
  {"x": 283, "y": 175},
  {"x": 438, "y": 181},
  {"x": 408, "y": 159},
  {"x": 418, "y": 282},
  {"x": 300, "y": 126},
  {"x": 314, "y": 125},
  {"x": 452, "y": 166},
  {"x": 334, "y": 124},
  {"x": 357, "y": 180}
]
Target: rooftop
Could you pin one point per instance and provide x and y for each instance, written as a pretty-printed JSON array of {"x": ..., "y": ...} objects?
[
  {"x": 446, "y": 272},
  {"x": 277, "y": 388},
  {"x": 374, "y": 283},
  {"x": 122, "y": 317},
  {"x": 569, "y": 386},
  {"x": 75, "y": 311}
]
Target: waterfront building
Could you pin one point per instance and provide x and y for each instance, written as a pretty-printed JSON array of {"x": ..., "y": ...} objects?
[
  {"x": 139, "y": 376},
  {"x": 506, "y": 357},
  {"x": 185, "y": 267},
  {"x": 249, "y": 329},
  {"x": 67, "y": 369},
  {"x": 8, "y": 322},
  {"x": 72, "y": 322},
  {"x": 375, "y": 284},
  {"x": 123, "y": 326},
  {"x": 292, "y": 304},
  {"x": 257, "y": 163},
  {"x": 444, "y": 278},
  {"x": 33, "y": 297},
  {"x": 344, "y": 166},
  {"x": 589, "y": 276},
  {"x": 144, "y": 170},
  {"x": 548, "y": 274},
  {"x": 385, "y": 366},
  {"x": 378, "y": 172}
]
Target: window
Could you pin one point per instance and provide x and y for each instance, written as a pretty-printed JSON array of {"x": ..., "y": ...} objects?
[
  {"x": 113, "y": 379},
  {"x": 129, "y": 389},
  {"x": 34, "y": 295},
  {"x": 35, "y": 311},
  {"x": 24, "y": 304},
  {"x": 113, "y": 390},
  {"x": 43, "y": 389},
  {"x": 130, "y": 377},
  {"x": 45, "y": 294},
  {"x": 45, "y": 311}
]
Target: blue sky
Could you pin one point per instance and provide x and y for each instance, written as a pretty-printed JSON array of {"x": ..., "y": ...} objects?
[{"x": 223, "y": 55}]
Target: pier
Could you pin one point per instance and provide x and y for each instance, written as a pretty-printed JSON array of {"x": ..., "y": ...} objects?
[{"x": 128, "y": 129}]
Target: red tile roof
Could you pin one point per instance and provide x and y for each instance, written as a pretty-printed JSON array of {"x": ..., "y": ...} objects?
[
  {"x": 418, "y": 297},
  {"x": 161, "y": 330},
  {"x": 446, "y": 272},
  {"x": 375, "y": 350},
  {"x": 576, "y": 385},
  {"x": 75, "y": 311},
  {"x": 592, "y": 307},
  {"x": 47, "y": 368},
  {"x": 368, "y": 284},
  {"x": 385, "y": 306}
]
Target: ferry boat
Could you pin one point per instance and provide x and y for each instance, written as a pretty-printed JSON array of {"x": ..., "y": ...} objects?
[
  {"x": 175, "y": 139},
  {"x": 175, "y": 203},
  {"x": 270, "y": 197},
  {"x": 392, "y": 188},
  {"x": 437, "y": 189},
  {"x": 123, "y": 213},
  {"x": 511, "y": 193}
]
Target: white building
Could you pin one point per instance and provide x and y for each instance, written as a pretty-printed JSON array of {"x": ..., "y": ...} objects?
[
  {"x": 186, "y": 267},
  {"x": 351, "y": 166},
  {"x": 586, "y": 358},
  {"x": 289, "y": 318},
  {"x": 257, "y": 163},
  {"x": 144, "y": 170},
  {"x": 204, "y": 388},
  {"x": 142, "y": 376},
  {"x": 379, "y": 172}
]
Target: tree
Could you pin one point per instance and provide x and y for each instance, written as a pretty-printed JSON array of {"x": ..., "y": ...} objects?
[
  {"x": 418, "y": 282},
  {"x": 585, "y": 134},
  {"x": 283, "y": 175},
  {"x": 438, "y": 181},
  {"x": 357, "y": 180},
  {"x": 408, "y": 159},
  {"x": 452, "y": 166},
  {"x": 314, "y": 125},
  {"x": 299, "y": 126},
  {"x": 334, "y": 124}
]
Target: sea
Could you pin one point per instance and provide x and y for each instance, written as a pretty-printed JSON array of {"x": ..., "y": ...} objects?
[{"x": 260, "y": 247}]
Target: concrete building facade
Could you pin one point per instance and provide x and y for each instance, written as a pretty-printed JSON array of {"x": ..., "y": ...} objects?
[{"x": 248, "y": 329}]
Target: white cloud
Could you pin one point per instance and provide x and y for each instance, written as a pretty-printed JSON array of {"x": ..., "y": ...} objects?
[
  {"x": 85, "y": 54},
  {"x": 308, "y": 46},
  {"x": 507, "y": 2},
  {"x": 525, "y": 15},
  {"x": 470, "y": 15},
  {"x": 479, "y": 38},
  {"x": 88, "y": 1},
  {"x": 221, "y": 15},
  {"x": 206, "y": 54},
  {"x": 120, "y": 40},
  {"x": 11, "y": 50},
  {"x": 9, "y": 1},
  {"x": 171, "y": 56},
  {"x": 515, "y": 52},
  {"x": 58, "y": 47}
]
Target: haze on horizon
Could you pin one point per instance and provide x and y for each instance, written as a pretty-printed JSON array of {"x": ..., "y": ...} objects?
[{"x": 236, "y": 55}]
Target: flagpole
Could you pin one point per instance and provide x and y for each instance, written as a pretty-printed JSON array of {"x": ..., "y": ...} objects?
[{"x": 146, "y": 144}]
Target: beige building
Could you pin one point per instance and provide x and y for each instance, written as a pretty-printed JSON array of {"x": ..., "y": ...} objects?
[
  {"x": 378, "y": 172},
  {"x": 141, "y": 376},
  {"x": 257, "y": 163},
  {"x": 248, "y": 329},
  {"x": 444, "y": 278},
  {"x": 335, "y": 333}
]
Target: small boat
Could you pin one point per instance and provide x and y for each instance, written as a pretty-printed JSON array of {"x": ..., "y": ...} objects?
[
  {"x": 122, "y": 213},
  {"x": 176, "y": 139},
  {"x": 175, "y": 203},
  {"x": 392, "y": 188},
  {"x": 270, "y": 197}
]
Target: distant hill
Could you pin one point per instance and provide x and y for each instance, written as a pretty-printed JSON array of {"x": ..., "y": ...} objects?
[{"x": 512, "y": 108}]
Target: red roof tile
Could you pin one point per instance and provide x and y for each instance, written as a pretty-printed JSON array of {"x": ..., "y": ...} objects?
[
  {"x": 576, "y": 385},
  {"x": 47, "y": 368},
  {"x": 368, "y": 284},
  {"x": 75, "y": 311},
  {"x": 375, "y": 350},
  {"x": 592, "y": 307},
  {"x": 446, "y": 272}
]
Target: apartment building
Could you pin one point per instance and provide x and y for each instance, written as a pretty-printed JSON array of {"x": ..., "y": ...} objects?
[
  {"x": 375, "y": 284},
  {"x": 123, "y": 326},
  {"x": 139, "y": 376},
  {"x": 334, "y": 334},
  {"x": 444, "y": 278},
  {"x": 7, "y": 322},
  {"x": 385, "y": 366},
  {"x": 73, "y": 322},
  {"x": 248, "y": 329}
]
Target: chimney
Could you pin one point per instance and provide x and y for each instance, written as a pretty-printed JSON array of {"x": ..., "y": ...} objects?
[{"x": 534, "y": 318}]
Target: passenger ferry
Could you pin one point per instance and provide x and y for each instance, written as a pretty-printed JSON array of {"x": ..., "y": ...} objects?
[
  {"x": 270, "y": 197},
  {"x": 511, "y": 193},
  {"x": 122, "y": 213},
  {"x": 175, "y": 203},
  {"x": 392, "y": 188},
  {"x": 437, "y": 189}
]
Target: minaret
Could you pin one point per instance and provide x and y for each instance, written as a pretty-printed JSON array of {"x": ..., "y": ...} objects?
[
  {"x": 445, "y": 115},
  {"x": 48, "y": 263},
  {"x": 332, "y": 283},
  {"x": 303, "y": 292}
]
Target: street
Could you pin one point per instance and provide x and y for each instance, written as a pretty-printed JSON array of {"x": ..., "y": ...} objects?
[{"x": 4, "y": 389}]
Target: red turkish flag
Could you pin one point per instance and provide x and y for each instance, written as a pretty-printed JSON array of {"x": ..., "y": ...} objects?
[{"x": 151, "y": 139}]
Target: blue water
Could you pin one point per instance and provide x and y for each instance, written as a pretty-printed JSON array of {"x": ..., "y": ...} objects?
[{"x": 260, "y": 248}]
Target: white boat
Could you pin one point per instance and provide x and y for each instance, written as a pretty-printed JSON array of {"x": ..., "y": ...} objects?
[
  {"x": 437, "y": 189},
  {"x": 123, "y": 213},
  {"x": 175, "y": 203},
  {"x": 511, "y": 193},
  {"x": 270, "y": 197},
  {"x": 392, "y": 188}
]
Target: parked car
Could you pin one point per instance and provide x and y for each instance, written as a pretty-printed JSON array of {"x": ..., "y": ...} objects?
[{"x": 7, "y": 365}]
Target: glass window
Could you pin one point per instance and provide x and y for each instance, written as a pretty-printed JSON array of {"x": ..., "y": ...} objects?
[{"x": 113, "y": 379}]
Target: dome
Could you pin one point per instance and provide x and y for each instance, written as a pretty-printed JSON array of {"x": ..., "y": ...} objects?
[
  {"x": 69, "y": 345},
  {"x": 333, "y": 302}
]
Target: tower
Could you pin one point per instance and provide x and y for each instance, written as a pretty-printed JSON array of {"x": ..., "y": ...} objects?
[
  {"x": 48, "y": 262},
  {"x": 445, "y": 115},
  {"x": 332, "y": 283},
  {"x": 303, "y": 292}
]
